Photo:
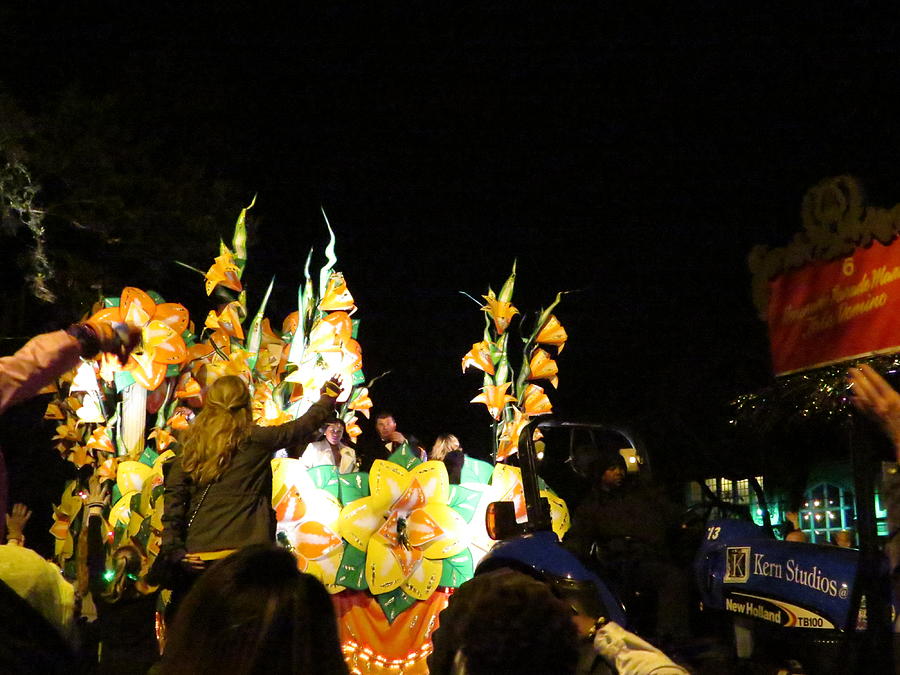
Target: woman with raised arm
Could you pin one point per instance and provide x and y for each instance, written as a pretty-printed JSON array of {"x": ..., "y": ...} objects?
[{"x": 218, "y": 491}]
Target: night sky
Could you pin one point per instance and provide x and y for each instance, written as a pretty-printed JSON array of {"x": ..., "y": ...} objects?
[{"x": 634, "y": 156}]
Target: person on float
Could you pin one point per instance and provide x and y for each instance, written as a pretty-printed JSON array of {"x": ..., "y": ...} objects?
[
  {"x": 389, "y": 440},
  {"x": 218, "y": 489},
  {"x": 448, "y": 450},
  {"x": 331, "y": 450}
]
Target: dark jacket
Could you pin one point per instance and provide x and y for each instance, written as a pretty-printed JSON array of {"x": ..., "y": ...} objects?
[{"x": 236, "y": 510}]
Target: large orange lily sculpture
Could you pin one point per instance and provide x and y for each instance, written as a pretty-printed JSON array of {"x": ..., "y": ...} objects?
[{"x": 161, "y": 328}]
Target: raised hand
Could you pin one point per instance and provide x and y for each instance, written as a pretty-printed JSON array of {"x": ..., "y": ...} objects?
[{"x": 873, "y": 396}]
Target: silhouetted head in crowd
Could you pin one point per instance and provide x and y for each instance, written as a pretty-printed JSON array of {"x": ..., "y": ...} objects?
[
  {"x": 126, "y": 569},
  {"x": 505, "y": 622},
  {"x": 254, "y": 612}
]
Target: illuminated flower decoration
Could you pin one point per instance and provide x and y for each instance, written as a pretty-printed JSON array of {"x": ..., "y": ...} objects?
[
  {"x": 405, "y": 527},
  {"x": 331, "y": 332},
  {"x": 310, "y": 521},
  {"x": 509, "y": 435},
  {"x": 63, "y": 515},
  {"x": 266, "y": 410},
  {"x": 552, "y": 333},
  {"x": 85, "y": 379},
  {"x": 543, "y": 367},
  {"x": 235, "y": 364},
  {"x": 107, "y": 470},
  {"x": 163, "y": 438},
  {"x": 180, "y": 419},
  {"x": 337, "y": 297},
  {"x": 353, "y": 429},
  {"x": 131, "y": 476},
  {"x": 290, "y": 323},
  {"x": 536, "y": 401},
  {"x": 100, "y": 440},
  {"x": 54, "y": 412},
  {"x": 80, "y": 455},
  {"x": 361, "y": 402},
  {"x": 271, "y": 351},
  {"x": 224, "y": 272},
  {"x": 187, "y": 386},
  {"x": 68, "y": 432},
  {"x": 227, "y": 320},
  {"x": 90, "y": 411},
  {"x": 495, "y": 398},
  {"x": 161, "y": 328},
  {"x": 480, "y": 357},
  {"x": 500, "y": 311}
]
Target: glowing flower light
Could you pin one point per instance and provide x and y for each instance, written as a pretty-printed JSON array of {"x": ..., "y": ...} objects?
[
  {"x": 500, "y": 311},
  {"x": 543, "y": 367},
  {"x": 495, "y": 398},
  {"x": 337, "y": 297},
  {"x": 224, "y": 272},
  {"x": 161, "y": 328},
  {"x": 480, "y": 357},
  {"x": 536, "y": 401},
  {"x": 406, "y": 528},
  {"x": 228, "y": 320},
  {"x": 552, "y": 333},
  {"x": 361, "y": 402}
]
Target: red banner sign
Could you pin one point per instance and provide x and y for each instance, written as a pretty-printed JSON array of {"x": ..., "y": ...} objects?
[{"x": 827, "y": 312}]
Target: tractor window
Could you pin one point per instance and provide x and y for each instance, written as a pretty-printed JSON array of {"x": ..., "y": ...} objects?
[{"x": 827, "y": 509}]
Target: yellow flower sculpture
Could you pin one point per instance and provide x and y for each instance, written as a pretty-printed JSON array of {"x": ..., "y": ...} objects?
[
  {"x": 62, "y": 517},
  {"x": 161, "y": 328},
  {"x": 406, "y": 528}
]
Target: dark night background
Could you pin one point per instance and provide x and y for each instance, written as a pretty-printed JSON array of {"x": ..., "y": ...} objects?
[{"x": 630, "y": 154}]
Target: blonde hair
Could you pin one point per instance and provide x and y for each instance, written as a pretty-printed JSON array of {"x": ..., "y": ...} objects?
[
  {"x": 442, "y": 445},
  {"x": 208, "y": 446}
]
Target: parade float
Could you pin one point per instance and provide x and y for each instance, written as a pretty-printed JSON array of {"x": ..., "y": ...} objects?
[{"x": 389, "y": 545}]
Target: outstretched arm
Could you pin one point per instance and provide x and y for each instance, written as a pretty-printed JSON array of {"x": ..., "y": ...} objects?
[
  {"x": 873, "y": 396},
  {"x": 47, "y": 356}
]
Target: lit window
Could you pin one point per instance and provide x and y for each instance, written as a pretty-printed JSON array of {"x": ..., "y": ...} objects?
[{"x": 827, "y": 509}]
